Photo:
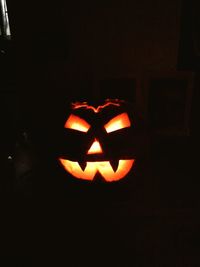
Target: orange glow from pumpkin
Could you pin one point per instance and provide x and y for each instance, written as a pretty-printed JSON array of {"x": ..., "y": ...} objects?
[
  {"x": 103, "y": 167},
  {"x": 95, "y": 148},
  {"x": 77, "y": 105},
  {"x": 119, "y": 122},
  {"x": 76, "y": 123}
]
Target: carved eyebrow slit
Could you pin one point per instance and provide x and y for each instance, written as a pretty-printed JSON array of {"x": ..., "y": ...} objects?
[
  {"x": 119, "y": 122},
  {"x": 76, "y": 123}
]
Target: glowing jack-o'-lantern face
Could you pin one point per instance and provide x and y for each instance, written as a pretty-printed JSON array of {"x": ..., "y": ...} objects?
[{"x": 94, "y": 129}]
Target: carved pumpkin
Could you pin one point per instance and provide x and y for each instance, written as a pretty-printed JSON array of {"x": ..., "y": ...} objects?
[{"x": 95, "y": 143}]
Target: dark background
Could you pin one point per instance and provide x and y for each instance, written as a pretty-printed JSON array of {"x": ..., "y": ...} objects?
[{"x": 84, "y": 49}]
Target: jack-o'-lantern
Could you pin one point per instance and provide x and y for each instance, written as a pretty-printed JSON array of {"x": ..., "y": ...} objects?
[{"x": 95, "y": 141}]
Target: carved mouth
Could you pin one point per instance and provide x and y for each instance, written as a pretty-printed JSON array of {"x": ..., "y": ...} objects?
[{"x": 109, "y": 170}]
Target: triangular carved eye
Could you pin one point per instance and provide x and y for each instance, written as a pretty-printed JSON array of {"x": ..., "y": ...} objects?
[
  {"x": 119, "y": 122},
  {"x": 76, "y": 123}
]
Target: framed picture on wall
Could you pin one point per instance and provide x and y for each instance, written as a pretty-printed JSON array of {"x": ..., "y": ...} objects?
[
  {"x": 168, "y": 100},
  {"x": 189, "y": 39}
]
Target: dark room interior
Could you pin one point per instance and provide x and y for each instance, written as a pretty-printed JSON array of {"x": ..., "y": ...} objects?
[{"x": 138, "y": 58}]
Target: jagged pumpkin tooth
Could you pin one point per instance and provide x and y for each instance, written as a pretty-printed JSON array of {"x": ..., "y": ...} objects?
[
  {"x": 82, "y": 164},
  {"x": 114, "y": 164}
]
